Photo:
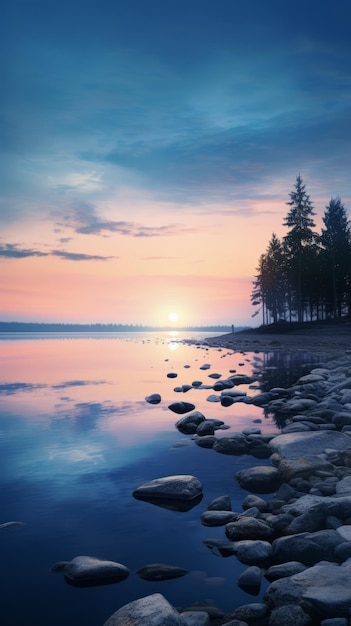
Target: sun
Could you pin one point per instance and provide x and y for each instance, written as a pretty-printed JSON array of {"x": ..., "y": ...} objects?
[{"x": 173, "y": 317}]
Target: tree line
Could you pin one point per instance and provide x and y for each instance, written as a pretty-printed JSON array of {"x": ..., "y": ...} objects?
[{"x": 306, "y": 276}]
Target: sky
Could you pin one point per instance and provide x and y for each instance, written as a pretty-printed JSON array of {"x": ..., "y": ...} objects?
[{"x": 149, "y": 148}]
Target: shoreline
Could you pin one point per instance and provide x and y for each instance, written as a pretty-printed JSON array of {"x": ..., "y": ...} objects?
[{"x": 328, "y": 343}]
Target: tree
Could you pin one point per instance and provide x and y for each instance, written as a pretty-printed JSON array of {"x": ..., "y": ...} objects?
[
  {"x": 298, "y": 241},
  {"x": 336, "y": 241}
]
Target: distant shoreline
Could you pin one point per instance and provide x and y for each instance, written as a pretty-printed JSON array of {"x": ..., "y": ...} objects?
[{"x": 33, "y": 327}]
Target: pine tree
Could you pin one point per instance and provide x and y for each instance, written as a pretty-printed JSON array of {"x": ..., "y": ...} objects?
[
  {"x": 336, "y": 241},
  {"x": 299, "y": 238}
]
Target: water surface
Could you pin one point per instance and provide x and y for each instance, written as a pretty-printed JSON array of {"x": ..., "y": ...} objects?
[{"x": 77, "y": 437}]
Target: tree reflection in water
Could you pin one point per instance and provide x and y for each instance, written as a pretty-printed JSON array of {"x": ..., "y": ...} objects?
[{"x": 282, "y": 369}]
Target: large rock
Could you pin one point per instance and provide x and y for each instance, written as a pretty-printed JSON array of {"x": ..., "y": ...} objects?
[
  {"x": 259, "y": 479},
  {"x": 308, "y": 548},
  {"x": 302, "y": 443},
  {"x": 248, "y": 528},
  {"x": 152, "y": 610},
  {"x": 323, "y": 590},
  {"x": 234, "y": 445},
  {"x": 87, "y": 571},
  {"x": 179, "y": 492}
]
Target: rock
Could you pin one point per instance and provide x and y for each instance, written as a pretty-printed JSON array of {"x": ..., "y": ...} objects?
[
  {"x": 217, "y": 518},
  {"x": 250, "y": 580},
  {"x": 152, "y": 610},
  {"x": 250, "y": 613},
  {"x": 252, "y": 552},
  {"x": 221, "y": 547},
  {"x": 160, "y": 571},
  {"x": 196, "y": 618},
  {"x": 323, "y": 590},
  {"x": 222, "y": 503},
  {"x": 335, "y": 621},
  {"x": 179, "y": 492},
  {"x": 172, "y": 375},
  {"x": 86, "y": 571},
  {"x": 208, "y": 427},
  {"x": 188, "y": 425},
  {"x": 181, "y": 407},
  {"x": 308, "y": 548},
  {"x": 212, "y": 611},
  {"x": 294, "y": 445},
  {"x": 289, "y": 614},
  {"x": 252, "y": 500},
  {"x": 302, "y": 466},
  {"x": 259, "y": 479},
  {"x": 206, "y": 441},
  {"x": 248, "y": 528},
  {"x": 235, "y": 445},
  {"x": 213, "y": 398},
  {"x": 285, "y": 569},
  {"x": 154, "y": 398}
]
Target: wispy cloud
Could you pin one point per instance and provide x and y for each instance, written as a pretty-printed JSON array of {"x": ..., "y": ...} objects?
[
  {"x": 13, "y": 251},
  {"x": 79, "y": 256}
]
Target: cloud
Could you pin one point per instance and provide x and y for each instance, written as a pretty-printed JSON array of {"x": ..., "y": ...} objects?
[
  {"x": 84, "y": 219},
  {"x": 11, "y": 251},
  {"x": 79, "y": 256}
]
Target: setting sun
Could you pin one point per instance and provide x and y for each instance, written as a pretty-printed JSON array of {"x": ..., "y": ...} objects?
[{"x": 173, "y": 317}]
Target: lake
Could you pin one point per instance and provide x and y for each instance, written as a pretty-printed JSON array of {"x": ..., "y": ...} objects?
[{"x": 77, "y": 437}]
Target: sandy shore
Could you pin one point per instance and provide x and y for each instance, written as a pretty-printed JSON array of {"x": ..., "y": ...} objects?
[{"x": 324, "y": 340}]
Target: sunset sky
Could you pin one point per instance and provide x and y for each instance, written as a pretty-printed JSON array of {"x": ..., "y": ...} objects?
[{"x": 149, "y": 147}]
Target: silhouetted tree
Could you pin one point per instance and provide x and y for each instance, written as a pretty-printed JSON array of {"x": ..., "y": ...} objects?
[
  {"x": 336, "y": 241},
  {"x": 298, "y": 241}
]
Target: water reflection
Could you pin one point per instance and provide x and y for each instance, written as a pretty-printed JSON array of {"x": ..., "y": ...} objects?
[
  {"x": 281, "y": 369},
  {"x": 77, "y": 437}
]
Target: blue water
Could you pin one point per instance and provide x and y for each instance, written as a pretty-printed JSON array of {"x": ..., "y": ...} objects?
[{"x": 77, "y": 437}]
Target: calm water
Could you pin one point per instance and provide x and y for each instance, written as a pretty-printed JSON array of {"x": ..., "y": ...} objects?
[{"x": 77, "y": 437}]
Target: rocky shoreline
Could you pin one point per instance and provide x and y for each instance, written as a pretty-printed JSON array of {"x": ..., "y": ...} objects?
[{"x": 300, "y": 538}]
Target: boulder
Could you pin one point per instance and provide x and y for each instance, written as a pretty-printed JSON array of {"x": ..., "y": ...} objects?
[
  {"x": 259, "y": 479},
  {"x": 248, "y": 528},
  {"x": 188, "y": 425},
  {"x": 250, "y": 613},
  {"x": 308, "y": 548},
  {"x": 235, "y": 445},
  {"x": 283, "y": 570},
  {"x": 323, "y": 590},
  {"x": 179, "y": 492},
  {"x": 196, "y": 618},
  {"x": 288, "y": 615},
  {"x": 87, "y": 571},
  {"x": 252, "y": 552},
  {"x": 152, "y": 610},
  {"x": 300, "y": 444},
  {"x": 250, "y": 580},
  {"x": 217, "y": 518},
  {"x": 222, "y": 503}
]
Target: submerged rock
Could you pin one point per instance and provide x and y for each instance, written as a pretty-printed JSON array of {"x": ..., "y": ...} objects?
[
  {"x": 87, "y": 571},
  {"x": 160, "y": 571}
]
